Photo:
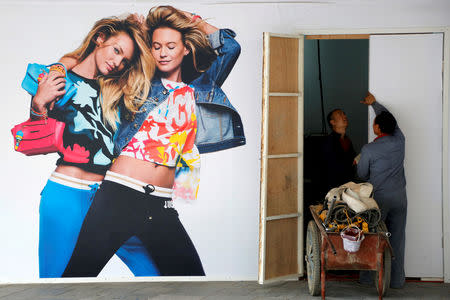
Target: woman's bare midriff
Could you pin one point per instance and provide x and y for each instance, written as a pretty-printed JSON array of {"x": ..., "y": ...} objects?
[
  {"x": 145, "y": 171},
  {"x": 78, "y": 173}
]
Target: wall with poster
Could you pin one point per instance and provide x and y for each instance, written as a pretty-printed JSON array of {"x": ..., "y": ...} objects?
[{"x": 223, "y": 222}]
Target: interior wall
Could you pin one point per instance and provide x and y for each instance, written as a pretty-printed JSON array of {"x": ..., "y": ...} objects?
[
  {"x": 224, "y": 222},
  {"x": 345, "y": 71}
]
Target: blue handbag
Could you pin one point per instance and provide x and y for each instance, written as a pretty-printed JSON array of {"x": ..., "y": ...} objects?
[{"x": 31, "y": 81}]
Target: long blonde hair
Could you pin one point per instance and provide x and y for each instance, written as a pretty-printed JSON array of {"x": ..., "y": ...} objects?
[
  {"x": 133, "y": 83},
  {"x": 201, "y": 54}
]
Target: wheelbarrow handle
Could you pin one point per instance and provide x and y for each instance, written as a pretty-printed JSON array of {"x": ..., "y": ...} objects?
[
  {"x": 386, "y": 236},
  {"x": 322, "y": 230}
]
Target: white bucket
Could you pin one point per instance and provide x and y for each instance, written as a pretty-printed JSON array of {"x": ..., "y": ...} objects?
[{"x": 352, "y": 238}]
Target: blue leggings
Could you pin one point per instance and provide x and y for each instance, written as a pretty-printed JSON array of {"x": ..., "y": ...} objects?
[{"x": 61, "y": 214}]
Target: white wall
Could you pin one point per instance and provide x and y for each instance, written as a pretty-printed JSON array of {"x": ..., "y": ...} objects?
[
  {"x": 410, "y": 86},
  {"x": 224, "y": 221}
]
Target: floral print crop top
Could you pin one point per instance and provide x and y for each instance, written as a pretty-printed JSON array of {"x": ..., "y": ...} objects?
[{"x": 167, "y": 138}]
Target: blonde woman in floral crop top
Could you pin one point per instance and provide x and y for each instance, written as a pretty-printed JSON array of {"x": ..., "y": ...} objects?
[{"x": 135, "y": 199}]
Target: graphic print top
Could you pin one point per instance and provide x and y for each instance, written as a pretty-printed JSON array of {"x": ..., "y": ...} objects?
[
  {"x": 88, "y": 141},
  {"x": 167, "y": 138}
]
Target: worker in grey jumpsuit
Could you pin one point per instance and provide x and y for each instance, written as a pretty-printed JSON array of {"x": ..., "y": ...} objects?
[{"x": 381, "y": 164}]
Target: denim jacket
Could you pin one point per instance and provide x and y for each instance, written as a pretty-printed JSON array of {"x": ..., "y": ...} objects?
[{"x": 219, "y": 125}]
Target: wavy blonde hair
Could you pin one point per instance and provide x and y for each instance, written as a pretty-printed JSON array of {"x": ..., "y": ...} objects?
[
  {"x": 200, "y": 56},
  {"x": 133, "y": 83}
]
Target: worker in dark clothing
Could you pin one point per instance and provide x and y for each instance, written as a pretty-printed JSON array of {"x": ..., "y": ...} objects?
[
  {"x": 337, "y": 163},
  {"x": 381, "y": 164}
]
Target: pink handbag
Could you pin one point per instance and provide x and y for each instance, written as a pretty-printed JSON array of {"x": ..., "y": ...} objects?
[{"x": 38, "y": 137}]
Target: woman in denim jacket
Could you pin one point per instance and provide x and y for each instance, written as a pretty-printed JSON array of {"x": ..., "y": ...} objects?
[
  {"x": 219, "y": 124},
  {"x": 159, "y": 146}
]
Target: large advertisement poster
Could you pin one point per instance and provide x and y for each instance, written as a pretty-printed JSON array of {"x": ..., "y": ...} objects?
[{"x": 128, "y": 142}]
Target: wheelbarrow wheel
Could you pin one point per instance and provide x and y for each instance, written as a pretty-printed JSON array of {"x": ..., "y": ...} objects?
[
  {"x": 312, "y": 258},
  {"x": 386, "y": 265}
]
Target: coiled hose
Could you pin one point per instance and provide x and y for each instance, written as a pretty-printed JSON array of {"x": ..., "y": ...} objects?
[{"x": 340, "y": 211}]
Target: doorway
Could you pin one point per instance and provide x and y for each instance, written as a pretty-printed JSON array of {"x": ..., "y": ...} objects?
[
  {"x": 336, "y": 71},
  {"x": 388, "y": 94}
]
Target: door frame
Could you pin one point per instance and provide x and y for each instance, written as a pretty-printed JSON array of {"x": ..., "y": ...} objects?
[{"x": 445, "y": 114}]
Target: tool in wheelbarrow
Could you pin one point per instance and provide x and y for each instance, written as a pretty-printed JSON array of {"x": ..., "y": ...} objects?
[{"x": 330, "y": 209}]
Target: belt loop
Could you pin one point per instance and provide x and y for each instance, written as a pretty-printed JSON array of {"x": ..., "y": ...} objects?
[{"x": 149, "y": 188}]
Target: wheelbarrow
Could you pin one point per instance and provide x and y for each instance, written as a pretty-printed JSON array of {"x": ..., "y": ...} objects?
[{"x": 325, "y": 251}]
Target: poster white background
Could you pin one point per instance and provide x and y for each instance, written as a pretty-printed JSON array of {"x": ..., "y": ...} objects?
[{"x": 224, "y": 222}]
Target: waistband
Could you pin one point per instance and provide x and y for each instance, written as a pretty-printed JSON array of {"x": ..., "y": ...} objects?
[
  {"x": 138, "y": 185},
  {"x": 72, "y": 181}
]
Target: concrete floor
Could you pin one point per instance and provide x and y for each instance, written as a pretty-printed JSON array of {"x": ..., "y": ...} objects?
[{"x": 215, "y": 290}]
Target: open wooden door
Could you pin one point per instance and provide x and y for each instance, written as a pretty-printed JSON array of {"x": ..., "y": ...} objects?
[{"x": 281, "y": 205}]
